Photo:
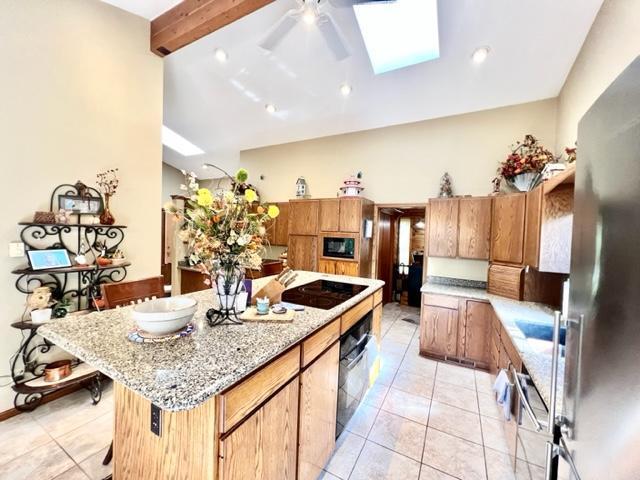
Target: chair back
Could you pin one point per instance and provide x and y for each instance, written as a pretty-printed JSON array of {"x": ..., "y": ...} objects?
[{"x": 127, "y": 293}]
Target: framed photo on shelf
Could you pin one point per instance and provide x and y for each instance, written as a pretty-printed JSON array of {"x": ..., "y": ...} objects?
[
  {"x": 80, "y": 205},
  {"x": 46, "y": 259}
]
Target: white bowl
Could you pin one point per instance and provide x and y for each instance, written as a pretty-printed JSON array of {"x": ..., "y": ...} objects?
[
  {"x": 41, "y": 316},
  {"x": 164, "y": 315}
]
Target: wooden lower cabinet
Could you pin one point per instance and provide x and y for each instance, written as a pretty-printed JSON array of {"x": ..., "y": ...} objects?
[
  {"x": 303, "y": 252},
  {"x": 318, "y": 405},
  {"x": 475, "y": 333},
  {"x": 264, "y": 447},
  {"x": 338, "y": 267},
  {"x": 376, "y": 323},
  {"x": 439, "y": 331}
]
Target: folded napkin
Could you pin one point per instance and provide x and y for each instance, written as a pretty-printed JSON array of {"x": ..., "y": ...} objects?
[{"x": 502, "y": 386}]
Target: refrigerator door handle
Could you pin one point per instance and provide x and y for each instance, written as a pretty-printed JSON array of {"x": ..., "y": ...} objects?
[
  {"x": 525, "y": 403},
  {"x": 555, "y": 355},
  {"x": 564, "y": 453}
]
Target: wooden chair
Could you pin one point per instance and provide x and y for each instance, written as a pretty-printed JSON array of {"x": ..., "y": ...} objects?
[
  {"x": 126, "y": 293},
  {"x": 121, "y": 294}
]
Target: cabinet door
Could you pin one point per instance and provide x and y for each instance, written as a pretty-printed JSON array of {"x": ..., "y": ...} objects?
[
  {"x": 507, "y": 228},
  {"x": 350, "y": 214},
  {"x": 303, "y": 252},
  {"x": 327, "y": 266},
  {"x": 347, "y": 268},
  {"x": 533, "y": 224},
  {"x": 330, "y": 215},
  {"x": 439, "y": 330},
  {"x": 443, "y": 227},
  {"x": 477, "y": 331},
  {"x": 281, "y": 231},
  {"x": 376, "y": 323},
  {"x": 474, "y": 228},
  {"x": 303, "y": 217},
  {"x": 264, "y": 447},
  {"x": 318, "y": 405}
]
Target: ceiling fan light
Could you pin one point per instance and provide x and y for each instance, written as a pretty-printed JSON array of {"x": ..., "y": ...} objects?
[
  {"x": 480, "y": 55},
  {"x": 309, "y": 16},
  {"x": 221, "y": 55},
  {"x": 345, "y": 89},
  {"x": 270, "y": 108}
]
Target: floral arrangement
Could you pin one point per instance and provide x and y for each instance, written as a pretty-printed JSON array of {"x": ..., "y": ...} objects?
[
  {"x": 225, "y": 230},
  {"x": 108, "y": 181},
  {"x": 528, "y": 156},
  {"x": 572, "y": 154}
]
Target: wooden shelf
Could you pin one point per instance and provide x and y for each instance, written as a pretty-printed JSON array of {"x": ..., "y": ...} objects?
[
  {"x": 85, "y": 225},
  {"x": 88, "y": 268},
  {"x": 79, "y": 373},
  {"x": 565, "y": 178}
]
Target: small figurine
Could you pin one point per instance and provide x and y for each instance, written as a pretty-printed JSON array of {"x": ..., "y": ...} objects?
[
  {"x": 63, "y": 216},
  {"x": 351, "y": 187},
  {"x": 445, "y": 186},
  {"x": 81, "y": 259},
  {"x": 301, "y": 188},
  {"x": 39, "y": 299},
  {"x": 496, "y": 185},
  {"x": 83, "y": 190}
]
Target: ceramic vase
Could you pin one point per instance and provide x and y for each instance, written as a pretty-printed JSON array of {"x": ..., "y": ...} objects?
[{"x": 106, "y": 217}]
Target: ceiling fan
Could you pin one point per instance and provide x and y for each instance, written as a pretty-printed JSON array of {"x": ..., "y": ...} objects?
[{"x": 312, "y": 12}]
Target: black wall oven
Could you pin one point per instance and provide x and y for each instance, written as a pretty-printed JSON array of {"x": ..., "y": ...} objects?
[{"x": 339, "y": 247}]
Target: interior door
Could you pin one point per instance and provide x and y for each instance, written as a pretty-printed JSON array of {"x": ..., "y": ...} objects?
[{"x": 385, "y": 254}]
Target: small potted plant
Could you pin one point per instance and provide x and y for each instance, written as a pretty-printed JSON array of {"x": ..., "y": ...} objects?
[{"x": 523, "y": 167}]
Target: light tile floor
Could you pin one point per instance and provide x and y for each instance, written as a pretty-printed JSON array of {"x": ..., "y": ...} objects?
[{"x": 422, "y": 420}]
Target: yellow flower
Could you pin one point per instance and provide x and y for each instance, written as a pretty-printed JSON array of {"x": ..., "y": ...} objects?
[
  {"x": 273, "y": 211},
  {"x": 250, "y": 195},
  {"x": 205, "y": 199}
]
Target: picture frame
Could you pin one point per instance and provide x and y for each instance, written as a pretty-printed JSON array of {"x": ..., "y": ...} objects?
[
  {"x": 80, "y": 205},
  {"x": 48, "y": 259}
]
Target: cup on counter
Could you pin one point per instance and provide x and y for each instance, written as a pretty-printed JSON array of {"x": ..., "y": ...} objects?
[{"x": 262, "y": 305}]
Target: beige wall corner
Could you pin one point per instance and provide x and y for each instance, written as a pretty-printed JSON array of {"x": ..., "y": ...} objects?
[
  {"x": 611, "y": 45},
  {"x": 404, "y": 163},
  {"x": 80, "y": 93}
]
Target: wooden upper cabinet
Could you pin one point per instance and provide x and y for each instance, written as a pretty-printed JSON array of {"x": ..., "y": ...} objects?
[
  {"x": 303, "y": 217},
  {"x": 265, "y": 445},
  {"x": 475, "y": 335},
  {"x": 303, "y": 252},
  {"x": 318, "y": 406},
  {"x": 474, "y": 232},
  {"x": 507, "y": 228},
  {"x": 330, "y": 215},
  {"x": 533, "y": 223},
  {"x": 439, "y": 330},
  {"x": 350, "y": 214},
  {"x": 443, "y": 227},
  {"x": 280, "y": 234}
]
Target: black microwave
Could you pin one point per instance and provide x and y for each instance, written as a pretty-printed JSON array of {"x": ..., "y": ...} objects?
[{"x": 339, "y": 247}]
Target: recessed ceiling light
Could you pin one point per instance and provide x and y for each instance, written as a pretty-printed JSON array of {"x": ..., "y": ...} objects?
[
  {"x": 345, "y": 89},
  {"x": 309, "y": 16},
  {"x": 270, "y": 108},
  {"x": 179, "y": 144},
  {"x": 221, "y": 55},
  {"x": 480, "y": 54},
  {"x": 205, "y": 166}
]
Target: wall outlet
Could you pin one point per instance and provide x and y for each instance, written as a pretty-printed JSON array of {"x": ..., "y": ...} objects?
[{"x": 16, "y": 249}]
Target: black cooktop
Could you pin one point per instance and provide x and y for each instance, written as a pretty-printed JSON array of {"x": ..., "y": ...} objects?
[{"x": 323, "y": 294}]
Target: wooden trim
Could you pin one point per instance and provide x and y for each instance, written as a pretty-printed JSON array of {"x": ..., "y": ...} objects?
[
  {"x": 313, "y": 346},
  {"x": 350, "y": 317},
  {"x": 190, "y": 20},
  {"x": 444, "y": 301},
  {"x": 377, "y": 297}
]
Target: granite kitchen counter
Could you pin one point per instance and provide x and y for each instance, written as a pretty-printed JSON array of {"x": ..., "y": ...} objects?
[
  {"x": 535, "y": 354},
  {"x": 183, "y": 373}
]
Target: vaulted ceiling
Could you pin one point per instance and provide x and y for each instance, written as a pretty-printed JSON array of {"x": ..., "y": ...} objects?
[{"x": 220, "y": 106}]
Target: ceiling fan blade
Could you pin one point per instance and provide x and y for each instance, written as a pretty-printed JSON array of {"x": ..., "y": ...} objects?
[
  {"x": 332, "y": 36},
  {"x": 280, "y": 30}
]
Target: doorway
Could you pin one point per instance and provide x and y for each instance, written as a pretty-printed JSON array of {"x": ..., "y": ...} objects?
[{"x": 400, "y": 259}]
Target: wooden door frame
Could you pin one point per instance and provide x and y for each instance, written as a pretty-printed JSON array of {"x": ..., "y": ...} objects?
[{"x": 406, "y": 206}]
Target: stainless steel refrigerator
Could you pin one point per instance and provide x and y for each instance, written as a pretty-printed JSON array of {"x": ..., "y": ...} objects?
[{"x": 600, "y": 422}]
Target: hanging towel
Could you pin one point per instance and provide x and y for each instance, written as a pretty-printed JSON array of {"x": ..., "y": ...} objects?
[{"x": 502, "y": 387}]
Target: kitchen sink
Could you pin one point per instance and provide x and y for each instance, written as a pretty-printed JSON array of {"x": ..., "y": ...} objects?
[{"x": 540, "y": 331}]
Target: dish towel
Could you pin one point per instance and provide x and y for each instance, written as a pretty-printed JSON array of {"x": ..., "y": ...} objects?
[{"x": 502, "y": 387}]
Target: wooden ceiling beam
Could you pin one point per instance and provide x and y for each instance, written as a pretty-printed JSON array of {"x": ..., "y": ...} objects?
[{"x": 191, "y": 20}]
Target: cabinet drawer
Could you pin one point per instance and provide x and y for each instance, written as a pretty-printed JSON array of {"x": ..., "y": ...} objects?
[
  {"x": 496, "y": 324},
  {"x": 505, "y": 281},
  {"x": 242, "y": 399},
  {"x": 377, "y": 297},
  {"x": 444, "y": 301},
  {"x": 319, "y": 341},
  {"x": 350, "y": 317}
]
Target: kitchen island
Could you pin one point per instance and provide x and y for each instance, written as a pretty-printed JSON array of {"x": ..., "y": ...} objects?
[{"x": 247, "y": 401}]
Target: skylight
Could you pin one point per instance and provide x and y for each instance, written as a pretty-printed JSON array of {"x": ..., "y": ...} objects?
[
  {"x": 398, "y": 34},
  {"x": 179, "y": 144}
]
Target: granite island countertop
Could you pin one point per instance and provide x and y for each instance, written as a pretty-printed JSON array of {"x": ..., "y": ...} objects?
[
  {"x": 535, "y": 354},
  {"x": 183, "y": 373}
]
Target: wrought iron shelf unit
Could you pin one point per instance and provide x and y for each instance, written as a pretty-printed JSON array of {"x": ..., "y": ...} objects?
[{"x": 77, "y": 284}]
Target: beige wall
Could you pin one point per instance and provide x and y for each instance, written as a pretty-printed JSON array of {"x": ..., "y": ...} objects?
[
  {"x": 403, "y": 164},
  {"x": 79, "y": 93},
  {"x": 611, "y": 45},
  {"x": 172, "y": 178}
]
